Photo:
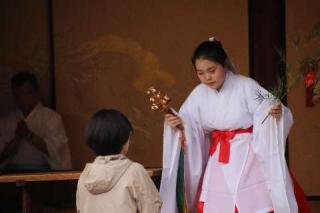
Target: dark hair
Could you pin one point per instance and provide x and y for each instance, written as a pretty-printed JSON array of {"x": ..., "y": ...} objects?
[
  {"x": 210, "y": 50},
  {"x": 24, "y": 77},
  {"x": 107, "y": 131}
]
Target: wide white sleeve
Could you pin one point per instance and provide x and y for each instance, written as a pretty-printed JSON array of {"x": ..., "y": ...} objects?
[
  {"x": 195, "y": 158},
  {"x": 171, "y": 150},
  {"x": 269, "y": 141},
  {"x": 57, "y": 144}
]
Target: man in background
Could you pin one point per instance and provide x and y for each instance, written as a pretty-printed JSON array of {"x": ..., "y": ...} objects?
[{"x": 32, "y": 136}]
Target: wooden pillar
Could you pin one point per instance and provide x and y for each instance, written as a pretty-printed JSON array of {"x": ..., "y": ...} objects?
[
  {"x": 267, "y": 43},
  {"x": 266, "y": 40}
]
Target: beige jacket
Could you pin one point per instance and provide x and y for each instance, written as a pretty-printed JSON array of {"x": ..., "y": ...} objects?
[{"x": 115, "y": 184}]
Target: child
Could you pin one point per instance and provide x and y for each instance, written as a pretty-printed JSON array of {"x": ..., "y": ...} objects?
[{"x": 113, "y": 183}]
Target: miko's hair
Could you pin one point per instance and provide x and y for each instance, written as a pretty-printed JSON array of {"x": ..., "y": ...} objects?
[{"x": 212, "y": 50}]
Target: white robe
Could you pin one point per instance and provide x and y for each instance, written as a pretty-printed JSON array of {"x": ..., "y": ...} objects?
[
  {"x": 256, "y": 179},
  {"x": 48, "y": 125}
]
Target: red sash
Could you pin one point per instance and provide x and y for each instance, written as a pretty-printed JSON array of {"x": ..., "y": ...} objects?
[{"x": 224, "y": 138}]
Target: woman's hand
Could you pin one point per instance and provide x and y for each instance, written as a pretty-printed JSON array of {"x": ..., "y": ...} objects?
[
  {"x": 276, "y": 111},
  {"x": 173, "y": 121}
]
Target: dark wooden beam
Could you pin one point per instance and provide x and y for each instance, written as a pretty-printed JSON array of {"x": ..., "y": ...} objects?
[
  {"x": 51, "y": 54},
  {"x": 267, "y": 43}
]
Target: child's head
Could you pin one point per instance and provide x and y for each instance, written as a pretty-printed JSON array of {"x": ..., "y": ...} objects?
[
  {"x": 210, "y": 62},
  {"x": 108, "y": 132}
]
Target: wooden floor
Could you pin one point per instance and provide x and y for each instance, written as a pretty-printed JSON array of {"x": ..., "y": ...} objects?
[{"x": 314, "y": 206}]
